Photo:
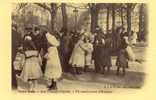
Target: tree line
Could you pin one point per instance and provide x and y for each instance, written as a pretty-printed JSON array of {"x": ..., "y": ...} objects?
[{"x": 94, "y": 8}]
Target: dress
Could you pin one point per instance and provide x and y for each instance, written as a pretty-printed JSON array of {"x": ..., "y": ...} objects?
[
  {"x": 53, "y": 67},
  {"x": 77, "y": 58},
  {"x": 32, "y": 66},
  {"x": 88, "y": 55}
]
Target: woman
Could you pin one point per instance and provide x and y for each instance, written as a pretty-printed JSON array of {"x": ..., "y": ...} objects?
[
  {"x": 107, "y": 53},
  {"x": 98, "y": 52},
  {"x": 53, "y": 69}
]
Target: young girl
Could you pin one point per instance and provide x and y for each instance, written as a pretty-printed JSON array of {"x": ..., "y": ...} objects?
[
  {"x": 31, "y": 70},
  {"x": 53, "y": 69},
  {"x": 88, "y": 53},
  {"x": 122, "y": 58},
  {"x": 77, "y": 59}
]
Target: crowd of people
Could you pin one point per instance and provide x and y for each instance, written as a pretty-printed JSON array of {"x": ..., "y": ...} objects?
[{"x": 41, "y": 53}]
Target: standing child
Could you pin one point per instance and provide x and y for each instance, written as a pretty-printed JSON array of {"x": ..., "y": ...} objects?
[
  {"x": 77, "y": 59},
  {"x": 53, "y": 69},
  {"x": 122, "y": 58},
  {"x": 88, "y": 54},
  {"x": 32, "y": 68}
]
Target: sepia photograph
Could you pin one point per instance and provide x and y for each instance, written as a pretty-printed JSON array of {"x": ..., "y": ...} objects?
[{"x": 78, "y": 47}]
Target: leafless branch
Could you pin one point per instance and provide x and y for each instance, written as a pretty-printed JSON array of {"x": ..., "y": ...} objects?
[{"x": 43, "y": 6}]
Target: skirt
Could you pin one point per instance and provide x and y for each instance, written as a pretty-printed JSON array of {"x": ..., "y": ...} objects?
[
  {"x": 53, "y": 67},
  {"x": 31, "y": 69}
]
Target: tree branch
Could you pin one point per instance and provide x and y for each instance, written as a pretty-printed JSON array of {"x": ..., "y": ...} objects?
[{"x": 44, "y": 6}]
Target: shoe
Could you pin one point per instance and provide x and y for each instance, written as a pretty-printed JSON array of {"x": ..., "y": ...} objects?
[
  {"x": 54, "y": 86},
  {"x": 50, "y": 87}
]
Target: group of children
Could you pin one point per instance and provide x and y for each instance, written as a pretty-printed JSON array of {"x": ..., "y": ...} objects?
[
  {"x": 98, "y": 52},
  {"x": 81, "y": 57},
  {"x": 30, "y": 62}
]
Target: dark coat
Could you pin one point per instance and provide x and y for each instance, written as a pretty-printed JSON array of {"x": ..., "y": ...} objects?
[
  {"x": 122, "y": 59},
  {"x": 16, "y": 42},
  {"x": 98, "y": 52},
  {"x": 107, "y": 52}
]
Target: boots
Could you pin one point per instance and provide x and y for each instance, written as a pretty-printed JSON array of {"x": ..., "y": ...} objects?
[{"x": 53, "y": 85}]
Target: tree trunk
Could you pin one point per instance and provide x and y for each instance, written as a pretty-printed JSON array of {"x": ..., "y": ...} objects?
[
  {"x": 107, "y": 26},
  {"x": 64, "y": 16},
  {"x": 129, "y": 19},
  {"x": 113, "y": 19},
  {"x": 140, "y": 22},
  {"x": 53, "y": 16},
  {"x": 52, "y": 22},
  {"x": 122, "y": 18},
  {"x": 94, "y": 17},
  {"x": 94, "y": 21},
  {"x": 145, "y": 24}
]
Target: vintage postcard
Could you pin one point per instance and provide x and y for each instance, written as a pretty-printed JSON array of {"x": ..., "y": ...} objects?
[{"x": 73, "y": 47}]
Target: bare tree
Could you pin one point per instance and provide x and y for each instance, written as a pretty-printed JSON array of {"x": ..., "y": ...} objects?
[
  {"x": 64, "y": 16},
  {"x": 130, "y": 7},
  {"x": 52, "y": 9},
  {"x": 142, "y": 22},
  {"x": 107, "y": 23},
  {"x": 94, "y": 11},
  {"x": 113, "y": 17}
]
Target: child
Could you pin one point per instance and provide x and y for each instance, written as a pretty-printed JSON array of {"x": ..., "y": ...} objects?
[
  {"x": 19, "y": 61},
  {"x": 53, "y": 69},
  {"x": 122, "y": 61},
  {"x": 122, "y": 58},
  {"x": 31, "y": 70},
  {"x": 88, "y": 54},
  {"x": 77, "y": 59}
]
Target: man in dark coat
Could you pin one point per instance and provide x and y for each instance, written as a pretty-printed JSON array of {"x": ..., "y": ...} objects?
[
  {"x": 16, "y": 42},
  {"x": 98, "y": 46}
]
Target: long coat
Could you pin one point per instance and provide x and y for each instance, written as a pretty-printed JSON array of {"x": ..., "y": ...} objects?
[
  {"x": 107, "y": 53},
  {"x": 98, "y": 52},
  {"x": 53, "y": 67}
]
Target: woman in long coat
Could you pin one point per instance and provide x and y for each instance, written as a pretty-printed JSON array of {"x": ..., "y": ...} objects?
[
  {"x": 53, "y": 69},
  {"x": 107, "y": 53},
  {"x": 98, "y": 52}
]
